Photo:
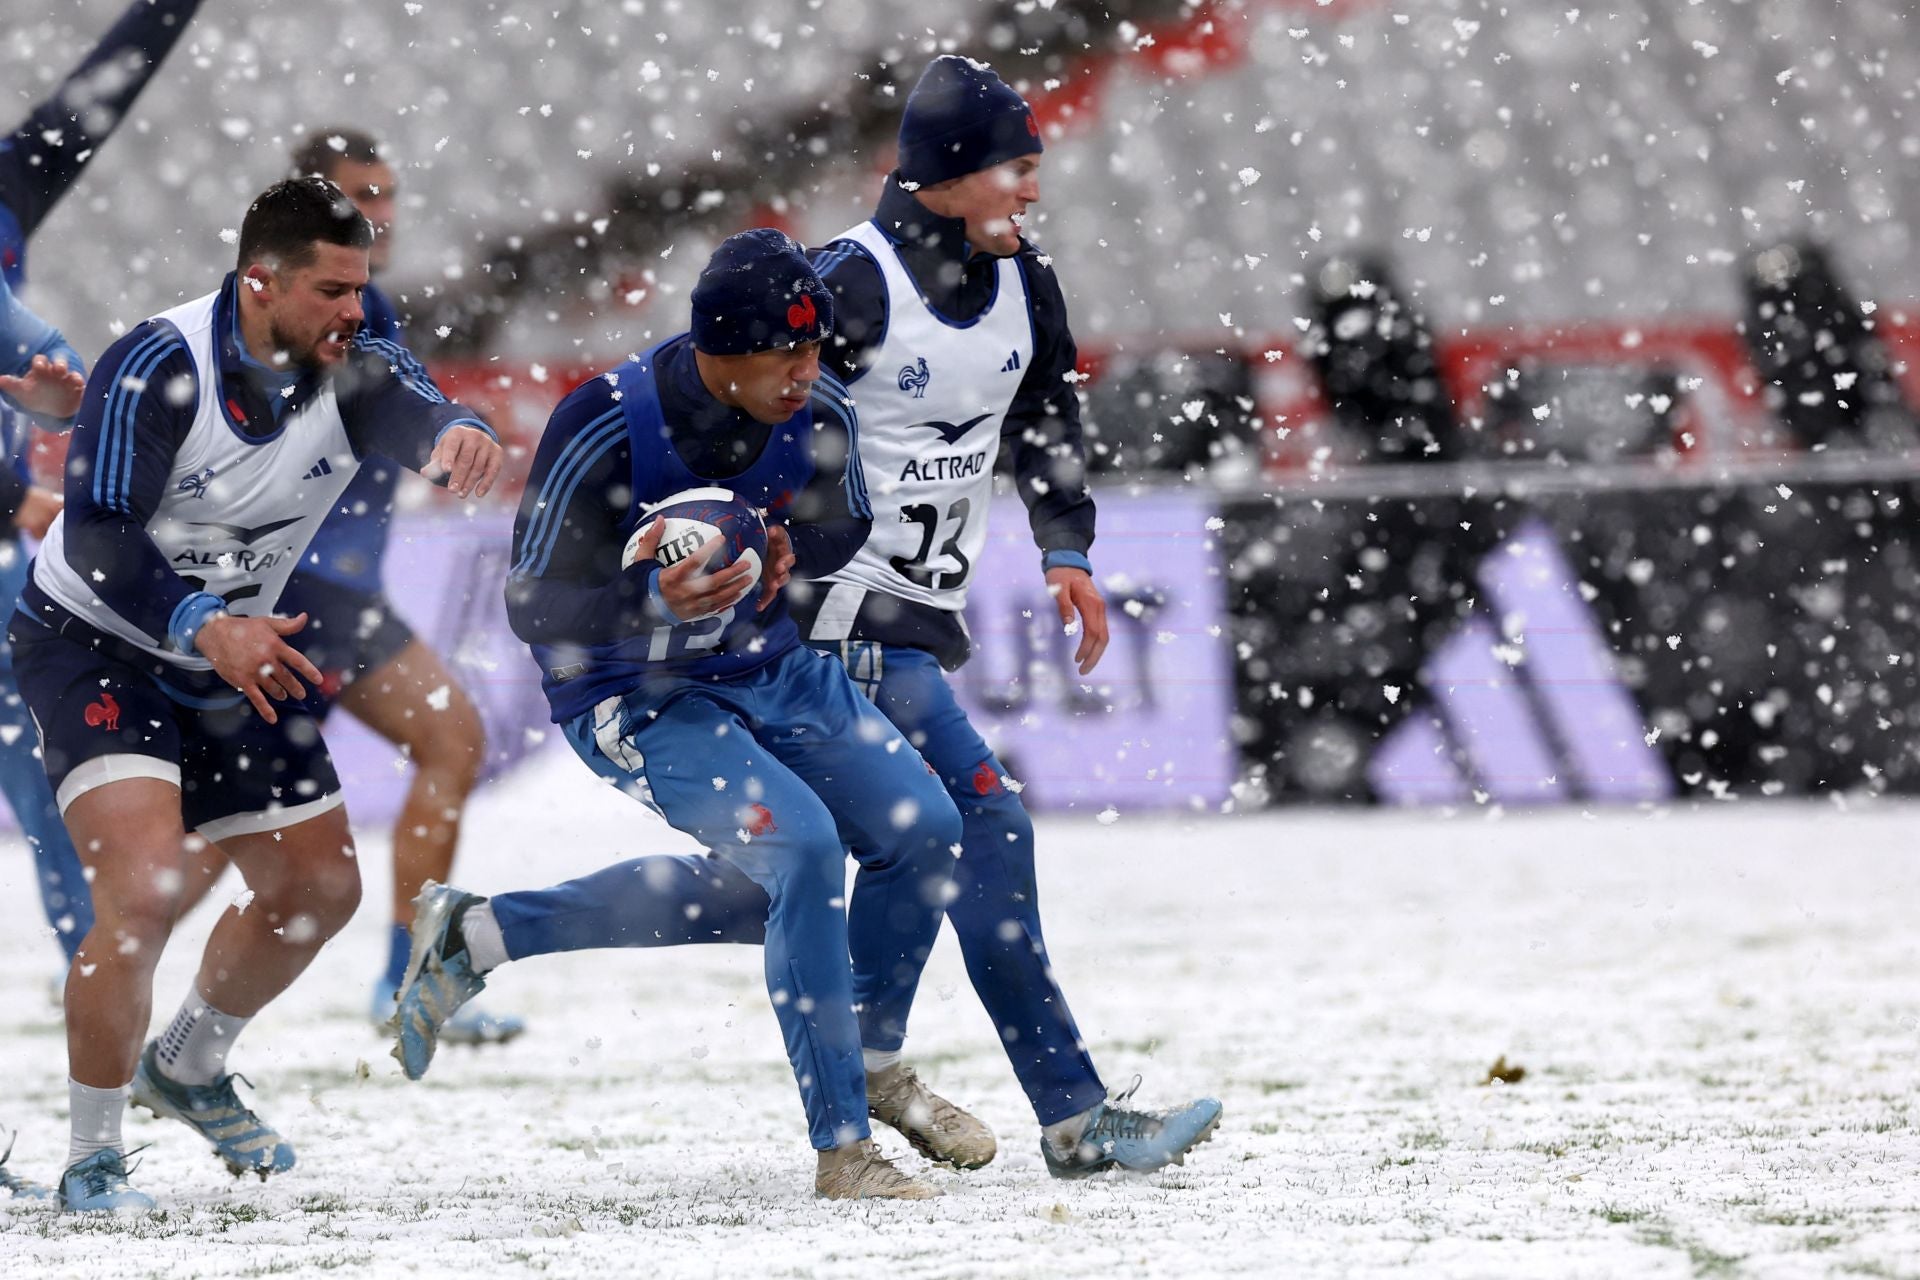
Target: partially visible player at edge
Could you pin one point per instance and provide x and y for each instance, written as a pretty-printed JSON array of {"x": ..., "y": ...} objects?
[
  {"x": 40, "y": 378},
  {"x": 724, "y": 723},
  {"x": 40, "y": 160},
  {"x": 371, "y": 663},
  {"x": 212, "y": 441}
]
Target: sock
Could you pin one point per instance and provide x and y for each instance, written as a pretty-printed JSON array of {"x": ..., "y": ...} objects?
[
  {"x": 399, "y": 951},
  {"x": 486, "y": 946},
  {"x": 194, "y": 1047},
  {"x": 879, "y": 1060},
  {"x": 1062, "y": 1134},
  {"x": 96, "y": 1119}
]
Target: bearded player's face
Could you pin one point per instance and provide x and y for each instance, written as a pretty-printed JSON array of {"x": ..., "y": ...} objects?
[{"x": 314, "y": 310}]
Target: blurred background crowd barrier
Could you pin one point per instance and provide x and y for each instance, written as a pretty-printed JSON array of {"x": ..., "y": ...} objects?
[{"x": 1486, "y": 406}]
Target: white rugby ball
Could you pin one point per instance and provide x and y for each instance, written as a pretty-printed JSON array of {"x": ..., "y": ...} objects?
[{"x": 693, "y": 517}]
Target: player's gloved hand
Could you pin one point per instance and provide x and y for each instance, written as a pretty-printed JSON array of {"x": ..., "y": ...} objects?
[
  {"x": 250, "y": 655},
  {"x": 47, "y": 388},
  {"x": 1074, "y": 592},
  {"x": 468, "y": 459},
  {"x": 37, "y": 510},
  {"x": 778, "y": 571},
  {"x": 688, "y": 589}
]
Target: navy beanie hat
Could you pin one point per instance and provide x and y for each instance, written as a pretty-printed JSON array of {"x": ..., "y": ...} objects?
[
  {"x": 758, "y": 292},
  {"x": 962, "y": 118}
]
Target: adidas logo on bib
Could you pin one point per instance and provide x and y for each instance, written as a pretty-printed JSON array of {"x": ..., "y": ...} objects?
[
  {"x": 1013, "y": 363},
  {"x": 320, "y": 468}
]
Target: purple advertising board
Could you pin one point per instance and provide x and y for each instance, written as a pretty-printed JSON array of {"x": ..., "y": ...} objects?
[
  {"x": 446, "y": 572},
  {"x": 1149, "y": 727}
]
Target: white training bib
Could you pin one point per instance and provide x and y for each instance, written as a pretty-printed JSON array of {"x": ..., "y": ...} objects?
[
  {"x": 238, "y": 510},
  {"x": 930, "y": 407}
]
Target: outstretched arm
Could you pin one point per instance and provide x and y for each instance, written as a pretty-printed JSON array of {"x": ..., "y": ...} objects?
[
  {"x": 39, "y": 370},
  {"x": 50, "y": 148},
  {"x": 391, "y": 407}
]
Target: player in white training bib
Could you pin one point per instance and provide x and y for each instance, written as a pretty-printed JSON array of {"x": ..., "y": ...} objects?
[
  {"x": 174, "y": 707},
  {"x": 953, "y": 343}
]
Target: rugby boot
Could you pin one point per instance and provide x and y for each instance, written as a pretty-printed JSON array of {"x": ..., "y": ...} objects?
[
  {"x": 439, "y": 980},
  {"x": 470, "y": 1025},
  {"x": 1117, "y": 1137},
  {"x": 99, "y": 1184},
  {"x": 214, "y": 1111},
  {"x": 17, "y": 1185},
  {"x": 937, "y": 1129},
  {"x": 858, "y": 1171}
]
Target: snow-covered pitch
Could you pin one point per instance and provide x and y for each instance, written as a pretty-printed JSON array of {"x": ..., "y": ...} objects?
[{"x": 1715, "y": 1010}]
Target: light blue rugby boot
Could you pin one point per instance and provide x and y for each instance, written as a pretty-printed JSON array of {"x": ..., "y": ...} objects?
[
  {"x": 470, "y": 1025},
  {"x": 99, "y": 1184},
  {"x": 440, "y": 977},
  {"x": 1140, "y": 1141},
  {"x": 214, "y": 1111}
]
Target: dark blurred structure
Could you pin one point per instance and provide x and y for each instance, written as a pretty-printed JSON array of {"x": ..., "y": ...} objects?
[
  {"x": 1586, "y": 413},
  {"x": 1770, "y": 642},
  {"x": 1375, "y": 356},
  {"x": 1170, "y": 412},
  {"x": 1828, "y": 376}
]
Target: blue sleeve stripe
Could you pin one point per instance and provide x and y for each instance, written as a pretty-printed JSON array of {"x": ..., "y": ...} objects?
[
  {"x": 103, "y": 452},
  {"x": 572, "y": 457},
  {"x": 581, "y": 453},
  {"x": 829, "y": 258},
  {"x": 113, "y": 456},
  {"x": 834, "y": 399},
  {"x": 600, "y": 446},
  {"x": 405, "y": 364}
]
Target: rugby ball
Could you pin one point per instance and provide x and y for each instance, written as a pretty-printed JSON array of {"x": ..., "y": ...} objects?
[{"x": 693, "y": 516}]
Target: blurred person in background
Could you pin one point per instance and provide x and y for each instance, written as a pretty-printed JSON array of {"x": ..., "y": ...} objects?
[{"x": 371, "y": 663}]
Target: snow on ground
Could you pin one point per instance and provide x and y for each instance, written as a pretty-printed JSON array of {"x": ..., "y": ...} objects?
[{"x": 1716, "y": 1010}]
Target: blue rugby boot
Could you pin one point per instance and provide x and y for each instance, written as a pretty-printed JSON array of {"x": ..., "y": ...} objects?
[
  {"x": 469, "y": 1025},
  {"x": 99, "y": 1184},
  {"x": 440, "y": 977},
  {"x": 15, "y": 1185},
  {"x": 214, "y": 1111},
  {"x": 1116, "y": 1137}
]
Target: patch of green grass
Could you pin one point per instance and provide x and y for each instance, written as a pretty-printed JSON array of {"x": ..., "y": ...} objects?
[
  {"x": 1709, "y": 1262},
  {"x": 1796, "y": 1219},
  {"x": 323, "y": 1204},
  {"x": 1615, "y": 1213}
]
